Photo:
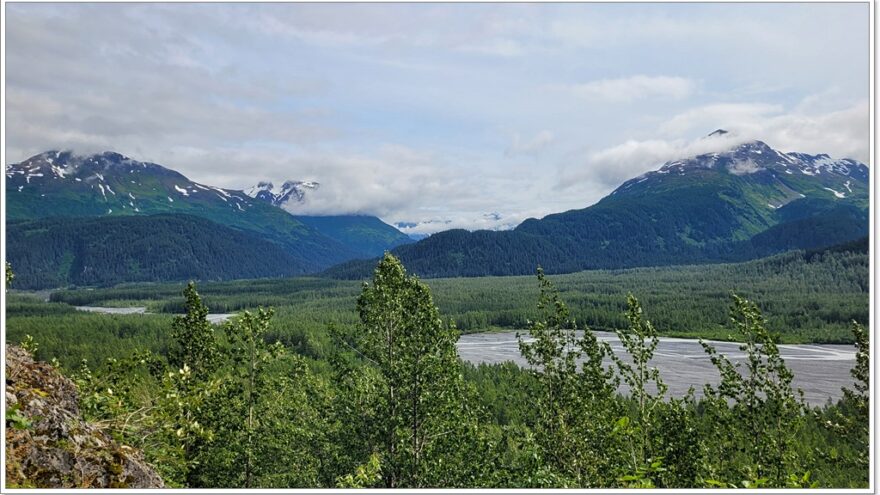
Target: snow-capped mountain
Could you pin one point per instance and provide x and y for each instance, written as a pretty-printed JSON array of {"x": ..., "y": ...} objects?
[
  {"x": 733, "y": 203},
  {"x": 780, "y": 177},
  {"x": 64, "y": 184},
  {"x": 118, "y": 183},
  {"x": 289, "y": 196}
]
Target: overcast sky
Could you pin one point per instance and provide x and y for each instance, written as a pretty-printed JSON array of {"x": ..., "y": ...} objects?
[{"x": 452, "y": 115}]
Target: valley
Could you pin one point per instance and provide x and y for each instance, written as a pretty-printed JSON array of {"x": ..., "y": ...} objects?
[
  {"x": 589, "y": 246},
  {"x": 709, "y": 285},
  {"x": 806, "y": 297},
  {"x": 736, "y": 204}
]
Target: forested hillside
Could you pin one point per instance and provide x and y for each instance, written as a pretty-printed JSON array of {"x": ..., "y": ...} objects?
[
  {"x": 744, "y": 203},
  {"x": 367, "y": 236},
  {"x": 59, "y": 252},
  {"x": 62, "y": 184},
  {"x": 388, "y": 405},
  {"x": 806, "y": 297}
]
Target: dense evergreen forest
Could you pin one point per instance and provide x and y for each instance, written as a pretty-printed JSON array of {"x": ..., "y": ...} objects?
[
  {"x": 692, "y": 210},
  {"x": 385, "y": 402},
  {"x": 805, "y": 296},
  {"x": 627, "y": 232},
  {"x": 59, "y": 252}
]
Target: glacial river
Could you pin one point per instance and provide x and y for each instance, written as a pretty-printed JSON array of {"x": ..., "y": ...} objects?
[
  {"x": 215, "y": 318},
  {"x": 820, "y": 370}
]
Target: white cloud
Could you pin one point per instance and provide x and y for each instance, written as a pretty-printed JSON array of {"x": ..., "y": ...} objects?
[
  {"x": 431, "y": 112},
  {"x": 628, "y": 89},
  {"x": 530, "y": 146},
  {"x": 468, "y": 222},
  {"x": 717, "y": 115},
  {"x": 841, "y": 134},
  {"x": 614, "y": 165}
]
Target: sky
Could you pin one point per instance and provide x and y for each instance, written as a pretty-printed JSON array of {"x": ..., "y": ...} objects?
[{"x": 437, "y": 115}]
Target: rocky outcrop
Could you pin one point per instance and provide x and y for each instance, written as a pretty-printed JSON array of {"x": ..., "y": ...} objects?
[{"x": 50, "y": 445}]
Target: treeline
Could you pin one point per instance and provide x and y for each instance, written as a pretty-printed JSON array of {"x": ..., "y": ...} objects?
[
  {"x": 392, "y": 406},
  {"x": 807, "y": 297},
  {"x": 61, "y": 252}
]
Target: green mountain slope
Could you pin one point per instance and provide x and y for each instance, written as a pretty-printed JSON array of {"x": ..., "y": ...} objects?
[
  {"x": 740, "y": 204},
  {"x": 104, "y": 251},
  {"x": 61, "y": 184},
  {"x": 366, "y": 235}
]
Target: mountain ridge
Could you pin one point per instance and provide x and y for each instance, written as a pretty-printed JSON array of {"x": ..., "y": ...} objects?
[
  {"x": 710, "y": 207},
  {"x": 62, "y": 183}
]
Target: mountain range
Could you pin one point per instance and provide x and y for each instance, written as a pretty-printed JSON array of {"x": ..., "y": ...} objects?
[
  {"x": 105, "y": 186},
  {"x": 103, "y": 219},
  {"x": 736, "y": 204}
]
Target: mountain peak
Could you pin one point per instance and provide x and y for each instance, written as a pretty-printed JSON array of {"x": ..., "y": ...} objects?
[
  {"x": 756, "y": 146},
  {"x": 291, "y": 194},
  {"x": 55, "y": 164},
  {"x": 756, "y": 160},
  {"x": 717, "y": 132}
]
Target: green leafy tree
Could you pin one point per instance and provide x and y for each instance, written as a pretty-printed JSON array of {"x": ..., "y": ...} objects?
[
  {"x": 10, "y": 276},
  {"x": 179, "y": 422},
  {"x": 365, "y": 476},
  {"x": 194, "y": 341},
  {"x": 849, "y": 420},
  {"x": 574, "y": 409},
  {"x": 859, "y": 399},
  {"x": 753, "y": 441},
  {"x": 251, "y": 355},
  {"x": 425, "y": 419},
  {"x": 640, "y": 340}
]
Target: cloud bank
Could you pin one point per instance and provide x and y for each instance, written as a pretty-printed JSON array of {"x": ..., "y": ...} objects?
[{"x": 439, "y": 115}]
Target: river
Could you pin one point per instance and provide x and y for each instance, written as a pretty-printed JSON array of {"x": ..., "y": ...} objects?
[
  {"x": 820, "y": 370},
  {"x": 215, "y": 318}
]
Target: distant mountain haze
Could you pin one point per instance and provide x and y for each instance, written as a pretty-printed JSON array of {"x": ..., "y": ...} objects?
[{"x": 365, "y": 234}]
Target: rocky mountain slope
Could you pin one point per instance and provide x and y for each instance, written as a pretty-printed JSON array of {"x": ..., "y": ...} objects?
[
  {"x": 289, "y": 196},
  {"x": 49, "y": 445}
]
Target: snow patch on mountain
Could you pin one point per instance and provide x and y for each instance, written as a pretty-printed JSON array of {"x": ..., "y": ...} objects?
[
  {"x": 837, "y": 194},
  {"x": 290, "y": 196}
]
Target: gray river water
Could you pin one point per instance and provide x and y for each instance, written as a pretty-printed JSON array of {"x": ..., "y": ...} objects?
[
  {"x": 215, "y": 318},
  {"x": 820, "y": 370}
]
